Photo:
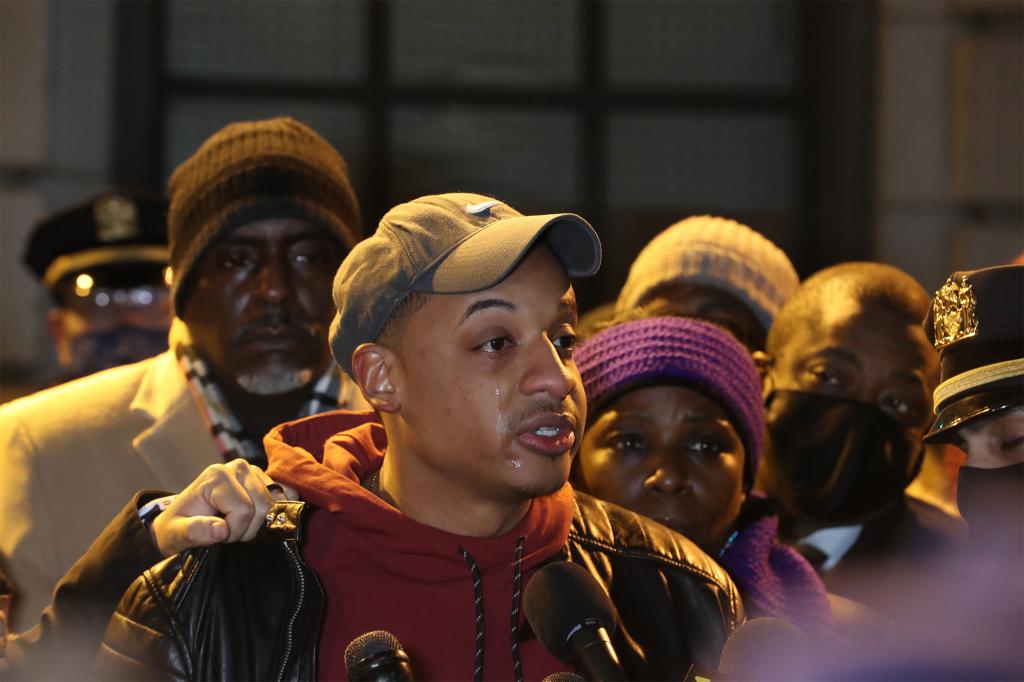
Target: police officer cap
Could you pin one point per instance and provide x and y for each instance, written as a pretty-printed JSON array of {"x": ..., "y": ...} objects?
[
  {"x": 977, "y": 324},
  {"x": 119, "y": 230}
]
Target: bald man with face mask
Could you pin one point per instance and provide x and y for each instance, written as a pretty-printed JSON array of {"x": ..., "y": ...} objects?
[{"x": 849, "y": 376}]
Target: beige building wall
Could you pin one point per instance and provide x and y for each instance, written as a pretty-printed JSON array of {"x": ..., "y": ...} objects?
[
  {"x": 56, "y": 113},
  {"x": 950, "y": 120}
]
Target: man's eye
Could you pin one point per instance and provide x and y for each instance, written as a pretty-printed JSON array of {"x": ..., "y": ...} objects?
[
  {"x": 235, "y": 259},
  {"x": 629, "y": 444},
  {"x": 495, "y": 345},
  {"x": 566, "y": 342},
  {"x": 309, "y": 257},
  {"x": 907, "y": 410},
  {"x": 897, "y": 405},
  {"x": 823, "y": 375}
]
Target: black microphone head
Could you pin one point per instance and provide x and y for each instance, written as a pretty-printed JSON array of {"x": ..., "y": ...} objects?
[
  {"x": 368, "y": 645},
  {"x": 765, "y": 647},
  {"x": 560, "y": 597}
]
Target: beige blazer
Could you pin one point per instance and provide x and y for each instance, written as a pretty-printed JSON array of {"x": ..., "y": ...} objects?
[{"x": 72, "y": 455}]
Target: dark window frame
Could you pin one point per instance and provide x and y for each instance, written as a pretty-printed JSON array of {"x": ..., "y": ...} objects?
[{"x": 832, "y": 103}]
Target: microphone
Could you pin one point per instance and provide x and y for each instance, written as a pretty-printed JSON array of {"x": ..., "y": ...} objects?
[
  {"x": 377, "y": 657},
  {"x": 763, "y": 648},
  {"x": 574, "y": 619},
  {"x": 563, "y": 677}
]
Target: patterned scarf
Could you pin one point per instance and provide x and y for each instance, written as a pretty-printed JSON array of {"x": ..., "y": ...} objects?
[{"x": 332, "y": 391}]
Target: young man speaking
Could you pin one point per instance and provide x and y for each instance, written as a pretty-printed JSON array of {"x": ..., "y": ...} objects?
[{"x": 428, "y": 517}]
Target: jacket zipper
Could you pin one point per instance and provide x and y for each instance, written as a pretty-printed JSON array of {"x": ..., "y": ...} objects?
[{"x": 289, "y": 640}]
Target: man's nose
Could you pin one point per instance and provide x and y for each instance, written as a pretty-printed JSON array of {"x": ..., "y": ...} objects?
[
  {"x": 273, "y": 283},
  {"x": 548, "y": 372}
]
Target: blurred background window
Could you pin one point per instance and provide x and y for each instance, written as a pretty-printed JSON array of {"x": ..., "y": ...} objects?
[
  {"x": 866, "y": 129},
  {"x": 633, "y": 114}
]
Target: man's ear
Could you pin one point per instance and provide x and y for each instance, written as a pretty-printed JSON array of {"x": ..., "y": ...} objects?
[
  {"x": 375, "y": 369},
  {"x": 764, "y": 363}
]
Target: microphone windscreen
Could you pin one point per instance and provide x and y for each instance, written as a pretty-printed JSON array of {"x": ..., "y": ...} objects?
[
  {"x": 370, "y": 644},
  {"x": 564, "y": 677},
  {"x": 759, "y": 645},
  {"x": 559, "y": 598}
]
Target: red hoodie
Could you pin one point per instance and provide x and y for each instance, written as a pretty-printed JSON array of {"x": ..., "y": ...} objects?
[{"x": 383, "y": 571}]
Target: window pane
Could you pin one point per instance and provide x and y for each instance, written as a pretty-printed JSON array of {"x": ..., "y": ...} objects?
[
  {"x": 267, "y": 40},
  {"x": 701, "y": 43},
  {"x": 190, "y": 120},
  {"x": 708, "y": 162},
  {"x": 484, "y": 42},
  {"x": 527, "y": 158}
]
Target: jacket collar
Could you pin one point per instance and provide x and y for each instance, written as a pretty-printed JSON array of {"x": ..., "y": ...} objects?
[
  {"x": 161, "y": 388},
  {"x": 177, "y": 444}
]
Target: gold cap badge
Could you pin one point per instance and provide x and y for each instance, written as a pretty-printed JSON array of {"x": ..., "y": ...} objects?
[
  {"x": 954, "y": 312},
  {"x": 116, "y": 218}
]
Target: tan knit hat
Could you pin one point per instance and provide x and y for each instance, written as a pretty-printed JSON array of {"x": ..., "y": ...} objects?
[
  {"x": 717, "y": 252},
  {"x": 254, "y": 170}
]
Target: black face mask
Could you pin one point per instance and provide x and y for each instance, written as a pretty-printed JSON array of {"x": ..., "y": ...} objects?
[
  {"x": 992, "y": 503},
  {"x": 837, "y": 461}
]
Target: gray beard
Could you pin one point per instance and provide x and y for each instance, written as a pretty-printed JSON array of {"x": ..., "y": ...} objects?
[{"x": 275, "y": 381}]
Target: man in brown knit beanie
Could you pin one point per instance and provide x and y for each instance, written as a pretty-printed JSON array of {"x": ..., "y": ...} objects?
[{"x": 260, "y": 218}]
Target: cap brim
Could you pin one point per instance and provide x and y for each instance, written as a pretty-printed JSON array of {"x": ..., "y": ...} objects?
[
  {"x": 83, "y": 261},
  {"x": 488, "y": 255},
  {"x": 971, "y": 408}
]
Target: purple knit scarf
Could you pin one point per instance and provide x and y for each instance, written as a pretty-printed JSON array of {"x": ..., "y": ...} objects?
[{"x": 774, "y": 579}]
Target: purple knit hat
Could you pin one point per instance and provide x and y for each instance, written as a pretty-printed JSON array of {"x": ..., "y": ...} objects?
[{"x": 677, "y": 350}]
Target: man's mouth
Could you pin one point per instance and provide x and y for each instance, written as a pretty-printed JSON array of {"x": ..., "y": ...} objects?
[
  {"x": 273, "y": 332},
  {"x": 548, "y": 434}
]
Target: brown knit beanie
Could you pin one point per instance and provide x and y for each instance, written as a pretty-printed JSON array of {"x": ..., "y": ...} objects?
[{"x": 250, "y": 171}]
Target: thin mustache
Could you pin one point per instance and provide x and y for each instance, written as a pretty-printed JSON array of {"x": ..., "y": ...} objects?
[
  {"x": 273, "y": 318},
  {"x": 510, "y": 424}
]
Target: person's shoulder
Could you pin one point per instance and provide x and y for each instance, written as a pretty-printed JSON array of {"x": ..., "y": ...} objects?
[
  {"x": 89, "y": 403},
  {"x": 915, "y": 528},
  {"x": 613, "y": 541},
  {"x": 609, "y": 528},
  {"x": 192, "y": 600},
  {"x": 930, "y": 520},
  {"x": 102, "y": 385}
]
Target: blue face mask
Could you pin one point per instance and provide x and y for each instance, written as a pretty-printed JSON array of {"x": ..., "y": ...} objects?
[{"x": 98, "y": 350}]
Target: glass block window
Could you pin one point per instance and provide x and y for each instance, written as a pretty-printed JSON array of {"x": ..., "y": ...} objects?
[
  {"x": 485, "y": 42},
  {"x": 266, "y": 40},
  {"x": 527, "y": 158},
  {"x": 632, "y": 113},
  {"x": 708, "y": 162},
  {"x": 190, "y": 120},
  {"x": 700, "y": 43}
]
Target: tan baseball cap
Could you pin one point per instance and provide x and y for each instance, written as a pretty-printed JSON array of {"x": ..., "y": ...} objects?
[{"x": 445, "y": 244}]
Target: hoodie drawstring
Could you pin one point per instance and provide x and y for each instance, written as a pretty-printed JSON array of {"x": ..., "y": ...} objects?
[
  {"x": 478, "y": 602},
  {"x": 517, "y": 580}
]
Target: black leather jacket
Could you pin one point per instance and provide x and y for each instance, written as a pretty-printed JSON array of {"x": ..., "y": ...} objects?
[{"x": 252, "y": 611}]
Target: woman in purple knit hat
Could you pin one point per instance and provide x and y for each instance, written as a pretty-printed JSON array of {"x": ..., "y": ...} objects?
[{"x": 674, "y": 432}]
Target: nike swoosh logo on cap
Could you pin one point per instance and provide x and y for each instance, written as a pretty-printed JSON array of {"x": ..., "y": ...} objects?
[{"x": 482, "y": 207}]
